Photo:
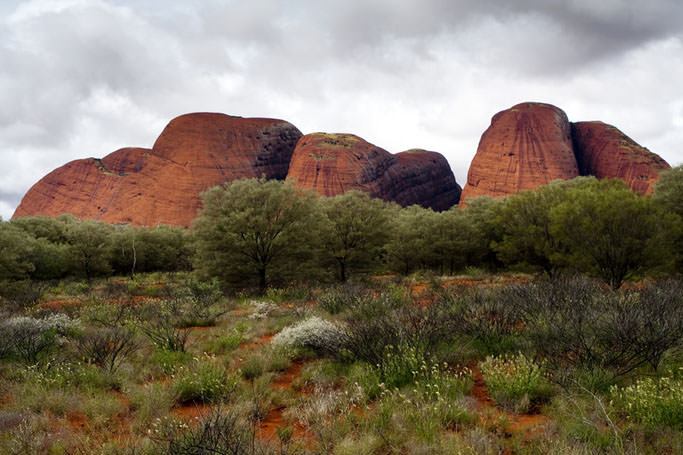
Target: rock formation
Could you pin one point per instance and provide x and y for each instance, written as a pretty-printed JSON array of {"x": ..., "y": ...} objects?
[
  {"x": 332, "y": 164},
  {"x": 162, "y": 185},
  {"x": 605, "y": 152},
  {"x": 526, "y": 146},
  {"x": 532, "y": 144}
]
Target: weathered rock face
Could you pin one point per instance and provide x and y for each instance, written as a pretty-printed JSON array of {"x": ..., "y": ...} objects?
[
  {"x": 332, "y": 164},
  {"x": 162, "y": 185},
  {"x": 605, "y": 152},
  {"x": 532, "y": 144},
  {"x": 526, "y": 146},
  {"x": 424, "y": 178}
]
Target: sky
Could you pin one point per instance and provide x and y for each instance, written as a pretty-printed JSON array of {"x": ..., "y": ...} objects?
[{"x": 82, "y": 78}]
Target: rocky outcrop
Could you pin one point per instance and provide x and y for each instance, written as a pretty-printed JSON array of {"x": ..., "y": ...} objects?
[
  {"x": 332, "y": 164},
  {"x": 605, "y": 152},
  {"x": 526, "y": 146},
  {"x": 162, "y": 185},
  {"x": 532, "y": 144}
]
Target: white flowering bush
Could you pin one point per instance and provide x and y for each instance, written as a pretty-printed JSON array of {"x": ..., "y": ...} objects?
[
  {"x": 651, "y": 401},
  {"x": 27, "y": 337},
  {"x": 262, "y": 309},
  {"x": 313, "y": 333},
  {"x": 515, "y": 381}
]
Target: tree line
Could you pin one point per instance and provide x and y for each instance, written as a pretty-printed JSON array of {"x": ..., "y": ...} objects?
[{"x": 256, "y": 233}]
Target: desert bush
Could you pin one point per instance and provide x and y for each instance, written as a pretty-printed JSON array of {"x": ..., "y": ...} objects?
[
  {"x": 27, "y": 337},
  {"x": 101, "y": 313},
  {"x": 392, "y": 319},
  {"x": 159, "y": 322},
  {"x": 196, "y": 303},
  {"x": 651, "y": 401},
  {"x": 203, "y": 381},
  {"x": 150, "y": 401},
  {"x": 325, "y": 414},
  {"x": 336, "y": 299},
  {"x": 428, "y": 413},
  {"x": 107, "y": 347},
  {"x": 289, "y": 293},
  {"x": 368, "y": 378},
  {"x": 572, "y": 321},
  {"x": 253, "y": 367},
  {"x": 488, "y": 316},
  {"x": 261, "y": 309},
  {"x": 19, "y": 295},
  {"x": 515, "y": 381},
  {"x": 30, "y": 437},
  {"x": 168, "y": 362},
  {"x": 221, "y": 432},
  {"x": 226, "y": 343},
  {"x": 403, "y": 365},
  {"x": 313, "y": 333}
]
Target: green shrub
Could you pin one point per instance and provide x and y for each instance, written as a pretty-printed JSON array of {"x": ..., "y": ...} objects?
[
  {"x": 338, "y": 298},
  {"x": 151, "y": 401},
  {"x": 406, "y": 365},
  {"x": 28, "y": 338},
  {"x": 435, "y": 401},
  {"x": 651, "y": 402},
  {"x": 226, "y": 343},
  {"x": 204, "y": 381},
  {"x": 367, "y": 378},
  {"x": 402, "y": 365},
  {"x": 219, "y": 432},
  {"x": 107, "y": 347},
  {"x": 169, "y": 361},
  {"x": 253, "y": 367},
  {"x": 160, "y": 323},
  {"x": 515, "y": 381}
]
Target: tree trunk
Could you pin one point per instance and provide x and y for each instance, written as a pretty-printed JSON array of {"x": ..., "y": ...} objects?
[
  {"x": 342, "y": 271},
  {"x": 262, "y": 282},
  {"x": 135, "y": 260}
]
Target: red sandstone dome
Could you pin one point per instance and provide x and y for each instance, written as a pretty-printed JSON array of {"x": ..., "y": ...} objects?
[
  {"x": 532, "y": 144},
  {"x": 332, "y": 164},
  {"x": 162, "y": 185},
  {"x": 605, "y": 152},
  {"x": 526, "y": 146}
]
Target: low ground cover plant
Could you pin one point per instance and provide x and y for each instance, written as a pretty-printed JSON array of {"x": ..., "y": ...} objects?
[
  {"x": 203, "y": 381},
  {"x": 516, "y": 381},
  {"x": 651, "y": 401}
]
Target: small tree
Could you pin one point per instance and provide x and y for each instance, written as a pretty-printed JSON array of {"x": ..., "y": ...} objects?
[
  {"x": 254, "y": 230},
  {"x": 525, "y": 222},
  {"x": 669, "y": 190},
  {"x": 355, "y": 231},
  {"x": 413, "y": 239},
  {"x": 458, "y": 242},
  {"x": 483, "y": 215},
  {"x": 17, "y": 247},
  {"x": 91, "y": 245},
  {"x": 607, "y": 230}
]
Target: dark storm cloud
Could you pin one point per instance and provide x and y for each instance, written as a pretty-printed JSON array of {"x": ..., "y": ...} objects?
[{"x": 81, "y": 78}]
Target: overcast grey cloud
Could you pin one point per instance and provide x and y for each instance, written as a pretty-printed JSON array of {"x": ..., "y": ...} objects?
[{"x": 81, "y": 78}]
